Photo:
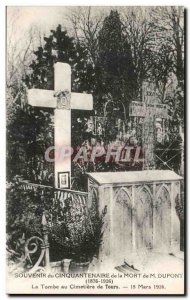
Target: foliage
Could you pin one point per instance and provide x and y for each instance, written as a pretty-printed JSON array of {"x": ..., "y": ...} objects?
[
  {"x": 24, "y": 212},
  {"x": 162, "y": 56},
  {"x": 74, "y": 231},
  {"x": 29, "y": 134},
  {"x": 138, "y": 32},
  {"x": 115, "y": 60},
  {"x": 168, "y": 25},
  {"x": 59, "y": 47},
  {"x": 79, "y": 231}
]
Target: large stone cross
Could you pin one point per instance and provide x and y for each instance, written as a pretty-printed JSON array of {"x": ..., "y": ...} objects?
[
  {"x": 149, "y": 109},
  {"x": 62, "y": 100}
]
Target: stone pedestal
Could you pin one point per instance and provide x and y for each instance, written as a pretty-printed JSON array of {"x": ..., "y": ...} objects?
[{"x": 141, "y": 213}]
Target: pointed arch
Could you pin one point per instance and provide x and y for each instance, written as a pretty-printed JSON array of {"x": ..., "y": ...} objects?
[
  {"x": 162, "y": 218},
  {"x": 163, "y": 186},
  {"x": 145, "y": 188},
  {"x": 122, "y": 217},
  {"x": 93, "y": 197},
  {"x": 122, "y": 189},
  {"x": 143, "y": 218},
  {"x": 125, "y": 192}
]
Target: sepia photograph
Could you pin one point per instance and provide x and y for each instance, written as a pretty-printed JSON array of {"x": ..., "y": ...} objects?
[{"x": 95, "y": 160}]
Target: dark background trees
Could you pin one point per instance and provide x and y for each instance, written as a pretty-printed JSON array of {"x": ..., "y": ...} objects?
[
  {"x": 115, "y": 60},
  {"x": 111, "y": 54}
]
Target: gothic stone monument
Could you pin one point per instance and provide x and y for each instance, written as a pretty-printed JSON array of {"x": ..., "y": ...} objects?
[{"x": 141, "y": 213}]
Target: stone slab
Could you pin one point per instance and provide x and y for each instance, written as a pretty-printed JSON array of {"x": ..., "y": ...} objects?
[{"x": 134, "y": 176}]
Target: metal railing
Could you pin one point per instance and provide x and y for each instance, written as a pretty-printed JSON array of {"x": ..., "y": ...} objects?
[{"x": 76, "y": 199}]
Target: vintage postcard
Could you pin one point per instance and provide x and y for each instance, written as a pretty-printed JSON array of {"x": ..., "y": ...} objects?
[{"x": 95, "y": 150}]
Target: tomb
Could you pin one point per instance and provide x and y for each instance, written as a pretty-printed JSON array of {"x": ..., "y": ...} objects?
[{"x": 141, "y": 214}]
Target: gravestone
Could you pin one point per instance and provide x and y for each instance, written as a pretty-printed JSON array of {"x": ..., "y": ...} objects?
[
  {"x": 62, "y": 100},
  {"x": 141, "y": 213},
  {"x": 148, "y": 111}
]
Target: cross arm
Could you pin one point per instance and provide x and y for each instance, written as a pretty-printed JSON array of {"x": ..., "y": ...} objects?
[
  {"x": 41, "y": 98},
  {"x": 81, "y": 101},
  {"x": 46, "y": 98}
]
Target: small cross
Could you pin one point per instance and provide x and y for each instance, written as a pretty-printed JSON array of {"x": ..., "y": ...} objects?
[{"x": 62, "y": 100}]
